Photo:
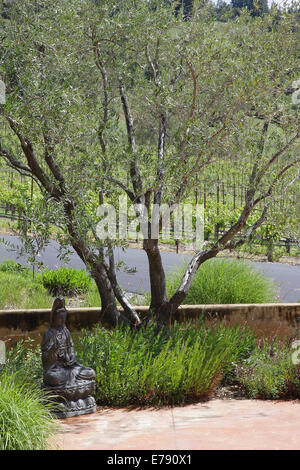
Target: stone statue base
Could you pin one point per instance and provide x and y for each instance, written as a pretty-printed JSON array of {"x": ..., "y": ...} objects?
[
  {"x": 73, "y": 400},
  {"x": 82, "y": 406}
]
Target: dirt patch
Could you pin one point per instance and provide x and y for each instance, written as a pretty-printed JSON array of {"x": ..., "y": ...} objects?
[{"x": 231, "y": 392}]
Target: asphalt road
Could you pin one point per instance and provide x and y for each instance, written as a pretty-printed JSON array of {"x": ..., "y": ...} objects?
[{"x": 286, "y": 276}]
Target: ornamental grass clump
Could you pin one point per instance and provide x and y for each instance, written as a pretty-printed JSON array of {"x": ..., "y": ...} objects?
[
  {"x": 18, "y": 291},
  {"x": 221, "y": 281},
  {"x": 26, "y": 422},
  {"x": 24, "y": 362}
]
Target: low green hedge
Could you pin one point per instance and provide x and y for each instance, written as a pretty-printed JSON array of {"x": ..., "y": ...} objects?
[
  {"x": 141, "y": 368},
  {"x": 65, "y": 281},
  {"x": 13, "y": 267},
  {"x": 145, "y": 369},
  {"x": 269, "y": 372}
]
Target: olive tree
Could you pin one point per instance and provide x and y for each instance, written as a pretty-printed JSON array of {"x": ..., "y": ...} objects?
[{"x": 105, "y": 100}]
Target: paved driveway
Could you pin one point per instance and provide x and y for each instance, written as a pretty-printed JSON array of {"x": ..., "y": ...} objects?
[{"x": 286, "y": 276}]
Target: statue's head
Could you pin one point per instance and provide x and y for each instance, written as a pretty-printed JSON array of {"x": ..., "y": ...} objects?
[{"x": 58, "y": 313}]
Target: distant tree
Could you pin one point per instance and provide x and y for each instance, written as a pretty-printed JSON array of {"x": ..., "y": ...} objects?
[
  {"x": 222, "y": 10},
  {"x": 187, "y": 7},
  {"x": 256, "y": 7}
]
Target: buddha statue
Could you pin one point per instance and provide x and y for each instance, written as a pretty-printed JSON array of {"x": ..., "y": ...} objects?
[{"x": 70, "y": 382}]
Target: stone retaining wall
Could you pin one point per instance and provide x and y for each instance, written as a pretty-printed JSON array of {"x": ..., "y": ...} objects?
[{"x": 268, "y": 319}]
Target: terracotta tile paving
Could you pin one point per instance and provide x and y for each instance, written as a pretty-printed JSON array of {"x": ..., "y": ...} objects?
[{"x": 217, "y": 424}]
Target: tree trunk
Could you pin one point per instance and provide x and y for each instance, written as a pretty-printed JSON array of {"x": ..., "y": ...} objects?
[
  {"x": 128, "y": 309},
  {"x": 270, "y": 251},
  {"x": 110, "y": 315},
  {"x": 159, "y": 296}
]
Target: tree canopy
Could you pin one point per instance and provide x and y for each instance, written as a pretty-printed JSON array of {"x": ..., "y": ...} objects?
[{"x": 105, "y": 100}]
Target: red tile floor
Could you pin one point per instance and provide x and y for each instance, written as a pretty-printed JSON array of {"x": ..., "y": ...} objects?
[{"x": 216, "y": 424}]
